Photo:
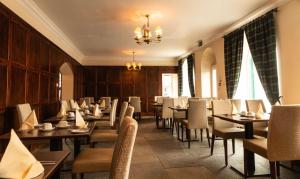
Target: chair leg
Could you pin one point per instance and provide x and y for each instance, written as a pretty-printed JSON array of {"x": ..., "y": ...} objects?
[
  {"x": 273, "y": 170},
  {"x": 212, "y": 144},
  {"x": 225, "y": 151},
  {"x": 195, "y": 133},
  {"x": 172, "y": 127},
  {"x": 278, "y": 168},
  {"x": 233, "y": 146},
  {"x": 177, "y": 130},
  {"x": 74, "y": 176},
  {"x": 207, "y": 135},
  {"x": 201, "y": 134},
  {"x": 188, "y": 136},
  {"x": 181, "y": 131}
]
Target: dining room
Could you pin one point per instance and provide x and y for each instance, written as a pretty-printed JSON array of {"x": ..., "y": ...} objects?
[{"x": 149, "y": 89}]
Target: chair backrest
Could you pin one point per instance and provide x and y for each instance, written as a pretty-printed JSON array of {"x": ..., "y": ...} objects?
[
  {"x": 283, "y": 134},
  {"x": 197, "y": 114},
  {"x": 254, "y": 104},
  {"x": 23, "y": 111},
  {"x": 66, "y": 104},
  {"x": 92, "y": 99},
  {"x": 122, "y": 154},
  {"x": 160, "y": 99},
  {"x": 112, "y": 114},
  {"x": 129, "y": 111},
  {"x": 72, "y": 104},
  {"x": 156, "y": 97},
  {"x": 122, "y": 113},
  {"x": 136, "y": 103},
  {"x": 166, "y": 111},
  {"x": 237, "y": 103},
  {"x": 221, "y": 107}
]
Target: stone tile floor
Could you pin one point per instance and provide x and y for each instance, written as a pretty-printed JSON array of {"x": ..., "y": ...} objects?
[{"x": 157, "y": 154}]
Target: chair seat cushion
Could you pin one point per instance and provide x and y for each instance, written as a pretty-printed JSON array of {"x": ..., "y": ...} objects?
[
  {"x": 258, "y": 146},
  {"x": 102, "y": 125},
  {"x": 93, "y": 160},
  {"x": 103, "y": 137},
  {"x": 229, "y": 132},
  {"x": 261, "y": 131},
  {"x": 105, "y": 131}
]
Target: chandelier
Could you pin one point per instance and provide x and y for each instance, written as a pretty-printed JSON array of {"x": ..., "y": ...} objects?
[
  {"x": 133, "y": 66},
  {"x": 144, "y": 34}
]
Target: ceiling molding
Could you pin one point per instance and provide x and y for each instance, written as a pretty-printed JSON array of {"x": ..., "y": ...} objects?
[
  {"x": 34, "y": 16},
  {"x": 253, "y": 15}
]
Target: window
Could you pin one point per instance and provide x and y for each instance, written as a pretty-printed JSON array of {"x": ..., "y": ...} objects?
[
  {"x": 59, "y": 85},
  {"x": 214, "y": 81},
  {"x": 185, "y": 79},
  {"x": 249, "y": 86},
  {"x": 170, "y": 84}
]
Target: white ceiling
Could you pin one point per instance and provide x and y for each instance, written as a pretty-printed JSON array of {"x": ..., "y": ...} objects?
[{"x": 103, "y": 29}]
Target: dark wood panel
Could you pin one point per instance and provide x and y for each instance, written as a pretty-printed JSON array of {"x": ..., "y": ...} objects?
[
  {"x": 127, "y": 90},
  {"x": 33, "y": 51},
  {"x": 17, "y": 86},
  {"x": 44, "y": 56},
  {"x": 18, "y": 43},
  {"x": 3, "y": 86},
  {"x": 53, "y": 89},
  {"x": 90, "y": 89},
  {"x": 4, "y": 26},
  {"x": 114, "y": 90},
  {"x": 114, "y": 75},
  {"x": 101, "y": 75},
  {"x": 32, "y": 87},
  {"x": 101, "y": 90},
  {"x": 44, "y": 87}
]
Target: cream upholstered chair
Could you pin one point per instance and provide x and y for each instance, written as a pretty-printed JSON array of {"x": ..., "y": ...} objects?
[
  {"x": 224, "y": 129},
  {"x": 156, "y": 98},
  {"x": 167, "y": 113},
  {"x": 108, "y": 104},
  {"x": 282, "y": 143},
  {"x": 108, "y": 121},
  {"x": 116, "y": 161},
  {"x": 135, "y": 102},
  {"x": 23, "y": 111},
  {"x": 260, "y": 129},
  {"x": 178, "y": 116},
  {"x": 197, "y": 119},
  {"x": 129, "y": 112}
]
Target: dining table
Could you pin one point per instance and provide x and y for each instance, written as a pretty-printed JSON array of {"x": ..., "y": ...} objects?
[
  {"x": 89, "y": 118},
  {"x": 247, "y": 122},
  {"x": 51, "y": 161},
  {"x": 157, "y": 108},
  {"x": 55, "y": 136}
]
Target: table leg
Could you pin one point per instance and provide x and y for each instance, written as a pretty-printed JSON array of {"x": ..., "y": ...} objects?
[
  {"x": 251, "y": 158},
  {"x": 76, "y": 146},
  {"x": 56, "y": 144}
]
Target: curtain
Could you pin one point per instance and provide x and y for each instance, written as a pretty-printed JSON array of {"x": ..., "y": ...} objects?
[
  {"x": 261, "y": 38},
  {"x": 180, "y": 62},
  {"x": 190, "y": 63},
  {"x": 233, "y": 52}
]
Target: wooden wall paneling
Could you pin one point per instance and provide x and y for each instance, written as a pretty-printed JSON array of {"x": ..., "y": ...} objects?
[
  {"x": 18, "y": 54},
  {"x": 53, "y": 96},
  {"x": 152, "y": 86},
  {"x": 3, "y": 85},
  {"x": 44, "y": 87},
  {"x": 4, "y": 27},
  {"x": 33, "y": 51},
  {"x": 44, "y": 56},
  {"x": 140, "y": 82},
  {"x": 17, "y": 86},
  {"x": 32, "y": 95},
  {"x": 101, "y": 90}
]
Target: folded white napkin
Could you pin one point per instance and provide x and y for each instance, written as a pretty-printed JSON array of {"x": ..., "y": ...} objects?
[
  {"x": 18, "y": 162},
  {"x": 62, "y": 112},
  {"x": 76, "y": 105},
  {"x": 29, "y": 122},
  {"x": 234, "y": 109},
  {"x": 83, "y": 105},
  {"x": 102, "y": 104},
  {"x": 97, "y": 111},
  {"x": 260, "y": 110},
  {"x": 79, "y": 122}
]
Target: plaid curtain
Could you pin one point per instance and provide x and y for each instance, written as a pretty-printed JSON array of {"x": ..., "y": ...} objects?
[
  {"x": 180, "y": 62},
  {"x": 233, "y": 51},
  {"x": 261, "y": 36},
  {"x": 190, "y": 63}
]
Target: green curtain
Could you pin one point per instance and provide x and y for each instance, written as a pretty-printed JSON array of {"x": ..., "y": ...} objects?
[
  {"x": 180, "y": 62},
  {"x": 261, "y": 36},
  {"x": 233, "y": 52},
  {"x": 190, "y": 63}
]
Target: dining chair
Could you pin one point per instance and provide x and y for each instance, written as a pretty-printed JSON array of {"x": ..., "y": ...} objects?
[
  {"x": 224, "y": 129},
  {"x": 108, "y": 104},
  {"x": 156, "y": 98},
  {"x": 178, "y": 117},
  {"x": 108, "y": 122},
  {"x": 23, "y": 111},
  {"x": 282, "y": 142},
  {"x": 115, "y": 160},
  {"x": 197, "y": 119},
  {"x": 167, "y": 113},
  {"x": 255, "y": 105},
  {"x": 135, "y": 102}
]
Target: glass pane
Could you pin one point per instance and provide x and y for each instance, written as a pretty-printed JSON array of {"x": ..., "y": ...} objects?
[{"x": 185, "y": 80}]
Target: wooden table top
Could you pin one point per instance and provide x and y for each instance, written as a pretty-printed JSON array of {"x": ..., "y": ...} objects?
[
  {"x": 55, "y": 119},
  {"x": 37, "y": 134},
  {"x": 57, "y": 156},
  {"x": 235, "y": 118}
]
